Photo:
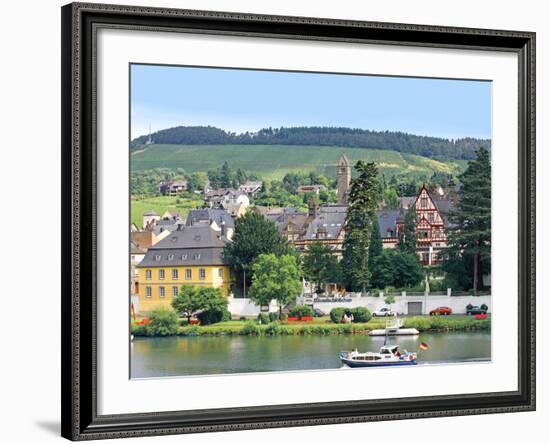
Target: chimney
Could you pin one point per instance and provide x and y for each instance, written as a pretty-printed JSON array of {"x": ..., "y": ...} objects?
[
  {"x": 223, "y": 228},
  {"x": 312, "y": 207}
]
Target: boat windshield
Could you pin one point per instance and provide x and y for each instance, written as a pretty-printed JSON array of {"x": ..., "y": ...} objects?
[{"x": 390, "y": 350}]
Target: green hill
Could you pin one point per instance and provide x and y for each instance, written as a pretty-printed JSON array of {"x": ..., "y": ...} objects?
[{"x": 274, "y": 161}]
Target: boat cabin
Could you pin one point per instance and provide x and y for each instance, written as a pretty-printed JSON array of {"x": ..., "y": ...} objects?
[{"x": 389, "y": 350}]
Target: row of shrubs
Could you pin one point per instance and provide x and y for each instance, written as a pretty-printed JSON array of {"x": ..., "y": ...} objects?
[
  {"x": 438, "y": 323},
  {"x": 252, "y": 328},
  {"x": 357, "y": 314},
  {"x": 298, "y": 311},
  {"x": 266, "y": 318}
]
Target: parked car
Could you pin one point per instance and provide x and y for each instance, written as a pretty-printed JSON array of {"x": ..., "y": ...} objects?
[
  {"x": 444, "y": 311},
  {"x": 476, "y": 310},
  {"x": 384, "y": 311},
  {"x": 318, "y": 313}
]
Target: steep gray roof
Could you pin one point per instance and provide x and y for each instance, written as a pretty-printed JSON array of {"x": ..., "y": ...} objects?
[
  {"x": 333, "y": 208},
  {"x": 330, "y": 222},
  {"x": 194, "y": 245},
  {"x": 443, "y": 205},
  {"x": 210, "y": 214},
  {"x": 387, "y": 220},
  {"x": 167, "y": 224}
]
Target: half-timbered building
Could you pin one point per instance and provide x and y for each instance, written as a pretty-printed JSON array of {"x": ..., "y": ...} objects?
[{"x": 432, "y": 222}]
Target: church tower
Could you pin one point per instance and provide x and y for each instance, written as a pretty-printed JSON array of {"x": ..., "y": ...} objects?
[{"x": 343, "y": 178}]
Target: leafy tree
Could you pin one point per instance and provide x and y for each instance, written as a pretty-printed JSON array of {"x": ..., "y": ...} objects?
[
  {"x": 198, "y": 181},
  {"x": 391, "y": 198},
  {"x": 359, "y": 219},
  {"x": 382, "y": 270},
  {"x": 406, "y": 242},
  {"x": 407, "y": 269},
  {"x": 394, "y": 268},
  {"x": 252, "y": 237},
  {"x": 275, "y": 277},
  {"x": 472, "y": 236},
  {"x": 319, "y": 264},
  {"x": 209, "y": 302},
  {"x": 187, "y": 301},
  {"x": 213, "y": 305}
]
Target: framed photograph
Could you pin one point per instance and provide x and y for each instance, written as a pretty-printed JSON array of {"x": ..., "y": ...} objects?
[{"x": 276, "y": 221}]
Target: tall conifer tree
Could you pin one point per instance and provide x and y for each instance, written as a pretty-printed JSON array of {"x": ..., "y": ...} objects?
[
  {"x": 470, "y": 241},
  {"x": 406, "y": 242},
  {"x": 363, "y": 201},
  {"x": 375, "y": 245}
]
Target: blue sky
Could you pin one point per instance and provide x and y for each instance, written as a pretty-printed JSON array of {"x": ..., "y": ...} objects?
[{"x": 247, "y": 100}]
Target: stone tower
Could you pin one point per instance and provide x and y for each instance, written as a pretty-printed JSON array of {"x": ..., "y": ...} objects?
[{"x": 343, "y": 178}]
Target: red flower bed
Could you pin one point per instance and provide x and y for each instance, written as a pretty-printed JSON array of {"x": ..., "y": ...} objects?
[{"x": 303, "y": 318}]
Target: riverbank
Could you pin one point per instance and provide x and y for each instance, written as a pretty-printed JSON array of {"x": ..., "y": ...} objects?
[{"x": 324, "y": 327}]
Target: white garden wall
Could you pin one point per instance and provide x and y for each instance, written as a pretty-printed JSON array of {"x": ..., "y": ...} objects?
[{"x": 245, "y": 307}]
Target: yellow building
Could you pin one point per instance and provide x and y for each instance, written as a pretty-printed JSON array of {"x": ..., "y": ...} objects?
[{"x": 190, "y": 255}]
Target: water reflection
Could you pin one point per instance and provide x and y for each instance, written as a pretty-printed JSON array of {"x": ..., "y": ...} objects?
[{"x": 176, "y": 356}]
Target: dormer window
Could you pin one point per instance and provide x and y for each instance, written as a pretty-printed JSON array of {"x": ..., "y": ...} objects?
[
  {"x": 157, "y": 257},
  {"x": 170, "y": 257},
  {"x": 183, "y": 257}
]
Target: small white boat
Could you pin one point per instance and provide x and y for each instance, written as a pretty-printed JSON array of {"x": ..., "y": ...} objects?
[
  {"x": 394, "y": 328},
  {"x": 389, "y": 355}
]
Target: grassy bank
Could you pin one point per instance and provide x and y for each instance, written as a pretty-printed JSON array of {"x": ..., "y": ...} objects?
[
  {"x": 323, "y": 327},
  {"x": 162, "y": 203}
]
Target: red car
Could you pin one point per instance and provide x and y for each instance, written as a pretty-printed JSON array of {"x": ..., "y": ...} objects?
[{"x": 445, "y": 311}]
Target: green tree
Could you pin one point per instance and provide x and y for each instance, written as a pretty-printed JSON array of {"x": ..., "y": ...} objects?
[
  {"x": 163, "y": 321},
  {"x": 253, "y": 236},
  {"x": 275, "y": 277},
  {"x": 406, "y": 242},
  {"x": 319, "y": 265},
  {"x": 198, "y": 181},
  {"x": 209, "y": 303},
  {"x": 359, "y": 219},
  {"x": 407, "y": 270},
  {"x": 391, "y": 198},
  {"x": 241, "y": 176},
  {"x": 471, "y": 239},
  {"x": 375, "y": 244},
  {"x": 226, "y": 180},
  {"x": 396, "y": 269},
  {"x": 187, "y": 301},
  {"x": 213, "y": 305},
  {"x": 382, "y": 270}
]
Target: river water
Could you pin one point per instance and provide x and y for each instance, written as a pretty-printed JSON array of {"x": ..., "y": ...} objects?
[{"x": 179, "y": 356}]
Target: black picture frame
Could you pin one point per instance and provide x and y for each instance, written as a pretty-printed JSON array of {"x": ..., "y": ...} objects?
[{"x": 80, "y": 420}]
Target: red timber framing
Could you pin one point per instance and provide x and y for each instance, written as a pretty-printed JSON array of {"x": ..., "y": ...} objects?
[{"x": 430, "y": 229}]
